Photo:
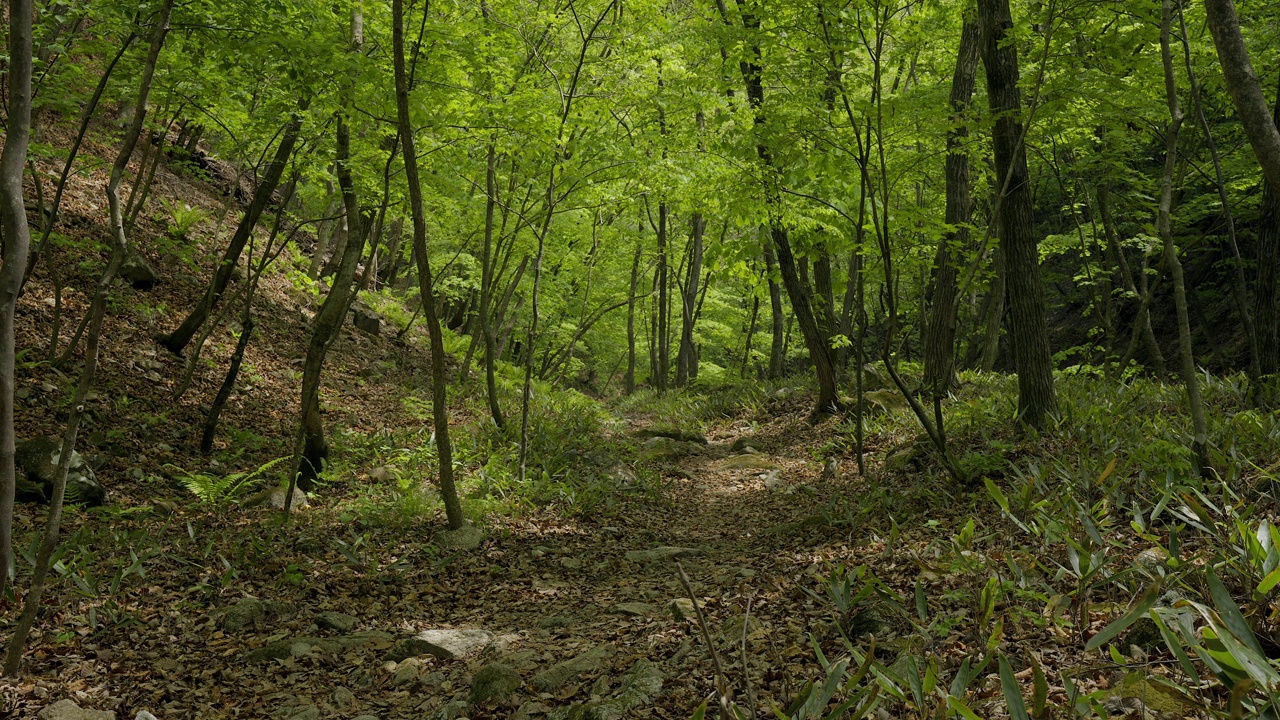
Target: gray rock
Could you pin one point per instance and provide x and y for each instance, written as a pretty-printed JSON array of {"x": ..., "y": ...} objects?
[
  {"x": 282, "y": 649},
  {"x": 451, "y": 710},
  {"x": 405, "y": 673},
  {"x": 303, "y": 712},
  {"x": 682, "y": 609},
  {"x": 530, "y": 709},
  {"x": 554, "y": 621},
  {"x": 68, "y": 710},
  {"x": 144, "y": 715},
  {"x": 38, "y": 459},
  {"x": 342, "y": 697},
  {"x": 248, "y": 613},
  {"x": 366, "y": 320},
  {"x": 571, "y": 563},
  {"x": 743, "y": 443},
  {"x": 274, "y": 496},
  {"x": 494, "y": 683},
  {"x": 444, "y": 643},
  {"x": 554, "y": 677},
  {"x": 662, "y": 448},
  {"x": 661, "y": 553},
  {"x": 138, "y": 272},
  {"x": 467, "y": 537},
  {"x": 634, "y": 609},
  {"x": 330, "y": 620}
]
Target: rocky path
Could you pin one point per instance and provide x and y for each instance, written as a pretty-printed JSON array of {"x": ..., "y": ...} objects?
[{"x": 546, "y": 619}]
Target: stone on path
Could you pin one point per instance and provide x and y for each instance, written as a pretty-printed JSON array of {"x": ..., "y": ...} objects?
[
  {"x": 661, "y": 553},
  {"x": 635, "y": 609},
  {"x": 330, "y": 620},
  {"x": 247, "y": 613},
  {"x": 746, "y": 462},
  {"x": 342, "y": 697},
  {"x": 682, "y": 609},
  {"x": 38, "y": 458},
  {"x": 68, "y": 710},
  {"x": 282, "y": 649},
  {"x": 444, "y": 643},
  {"x": 494, "y": 683},
  {"x": 554, "y": 677},
  {"x": 451, "y": 711}
]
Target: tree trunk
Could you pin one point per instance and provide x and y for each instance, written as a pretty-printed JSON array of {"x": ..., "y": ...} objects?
[
  {"x": 1142, "y": 322},
  {"x": 486, "y": 288},
  {"x": 1033, "y": 359},
  {"x": 177, "y": 340},
  {"x": 1266, "y": 311},
  {"x": 777, "y": 348},
  {"x": 993, "y": 319},
  {"x": 16, "y": 238},
  {"x": 664, "y": 302},
  {"x": 1245, "y": 88},
  {"x": 439, "y": 380},
  {"x": 631, "y": 322},
  {"x": 940, "y": 332},
  {"x": 1164, "y": 226},
  {"x": 685, "y": 359}
]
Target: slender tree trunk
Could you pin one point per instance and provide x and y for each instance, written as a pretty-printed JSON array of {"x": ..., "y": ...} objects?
[
  {"x": 1245, "y": 88},
  {"x": 325, "y": 232},
  {"x": 21, "y": 27},
  {"x": 1240, "y": 288},
  {"x": 631, "y": 321},
  {"x": 940, "y": 332},
  {"x": 16, "y": 238},
  {"x": 486, "y": 288},
  {"x": 993, "y": 319},
  {"x": 1164, "y": 225},
  {"x": 177, "y": 340},
  {"x": 1267, "y": 308},
  {"x": 1142, "y": 322},
  {"x": 664, "y": 302},
  {"x": 777, "y": 347},
  {"x": 751, "y": 333},
  {"x": 685, "y": 359},
  {"x": 1037, "y": 401},
  {"x": 439, "y": 379}
]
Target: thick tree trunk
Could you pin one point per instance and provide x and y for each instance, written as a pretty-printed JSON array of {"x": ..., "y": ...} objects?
[
  {"x": 1164, "y": 226},
  {"x": 940, "y": 333},
  {"x": 1037, "y": 401},
  {"x": 685, "y": 359},
  {"x": 439, "y": 380},
  {"x": 16, "y": 238},
  {"x": 177, "y": 340},
  {"x": 1245, "y": 88}
]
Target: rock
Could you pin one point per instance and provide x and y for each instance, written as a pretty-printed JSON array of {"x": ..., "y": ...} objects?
[
  {"x": 634, "y": 609},
  {"x": 467, "y": 537},
  {"x": 342, "y": 697},
  {"x": 571, "y": 563},
  {"x": 640, "y": 687},
  {"x": 451, "y": 711},
  {"x": 144, "y": 715},
  {"x": 444, "y": 643},
  {"x": 330, "y": 620},
  {"x": 682, "y": 609},
  {"x": 366, "y": 320},
  {"x": 68, "y": 710},
  {"x": 248, "y": 613},
  {"x": 681, "y": 435},
  {"x": 529, "y": 709},
  {"x": 282, "y": 649},
  {"x": 494, "y": 683},
  {"x": 138, "y": 272},
  {"x": 663, "y": 448},
  {"x": 273, "y": 497},
  {"x": 38, "y": 459},
  {"x": 743, "y": 443},
  {"x": 1153, "y": 558},
  {"x": 405, "y": 673},
  {"x": 555, "y": 677},
  {"x": 773, "y": 481},
  {"x": 554, "y": 621},
  {"x": 747, "y": 462},
  {"x": 890, "y": 401},
  {"x": 304, "y": 712},
  {"x": 661, "y": 553}
]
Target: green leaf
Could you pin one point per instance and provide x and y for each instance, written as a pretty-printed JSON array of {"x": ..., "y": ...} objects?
[
  {"x": 1231, "y": 614},
  {"x": 996, "y": 494},
  {"x": 1171, "y": 640},
  {"x": 1145, "y": 603},
  {"x": 1040, "y": 696},
  {"x": 1269, "y": 582},
  {"x": 701, "y": 712},
  {"x": 1012, "y": 692},
  {"x": 958, "y": 705}
]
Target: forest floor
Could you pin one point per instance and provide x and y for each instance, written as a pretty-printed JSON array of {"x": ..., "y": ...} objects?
[{"x": 190, "y": 610}]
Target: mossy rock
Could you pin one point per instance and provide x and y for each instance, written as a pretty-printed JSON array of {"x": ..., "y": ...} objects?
[
  {"x": 747, "y": 462},
  {"x": 495, "y": 683},
  {"x": 1159, "y": 698}
]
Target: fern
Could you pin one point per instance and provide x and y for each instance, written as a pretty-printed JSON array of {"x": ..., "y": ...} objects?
[{"x": 221, "y": 491}]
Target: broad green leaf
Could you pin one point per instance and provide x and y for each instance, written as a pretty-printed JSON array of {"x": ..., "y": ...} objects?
[
  {"x": 1231, "y": 614},
  {"x": 1012, "y": 692}
]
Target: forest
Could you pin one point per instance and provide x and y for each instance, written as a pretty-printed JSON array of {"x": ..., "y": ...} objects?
[{"x": 605, "y": 359}]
